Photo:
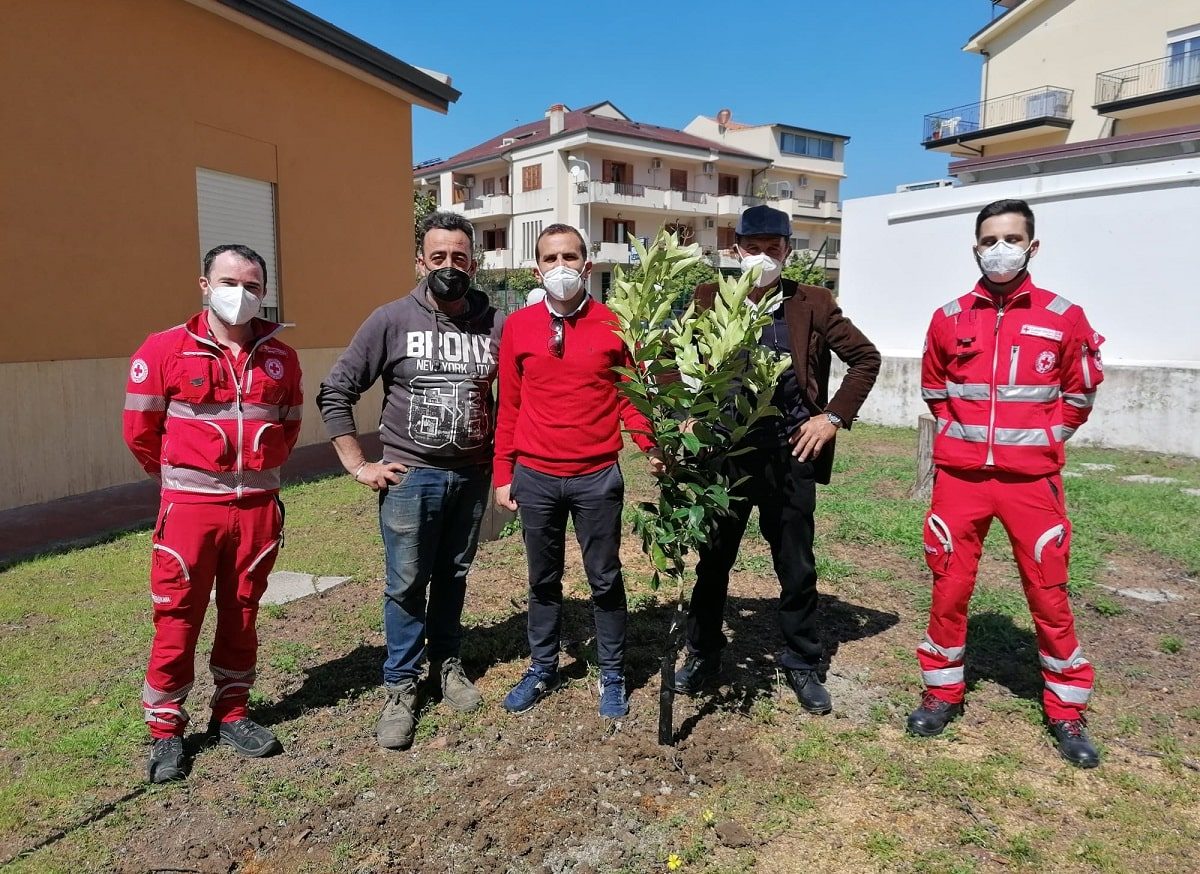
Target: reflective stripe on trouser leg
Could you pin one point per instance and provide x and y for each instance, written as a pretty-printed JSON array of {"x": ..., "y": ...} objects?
[
  {"x": 230, "y": 682},
  {"x": 164, "y": 711}
]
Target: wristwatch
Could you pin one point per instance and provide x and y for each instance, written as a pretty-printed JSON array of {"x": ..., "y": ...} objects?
[{"x": 834, "y": 419}]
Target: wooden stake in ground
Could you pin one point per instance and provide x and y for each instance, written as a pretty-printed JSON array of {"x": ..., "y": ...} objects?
[{"x": 702, "y": 380}]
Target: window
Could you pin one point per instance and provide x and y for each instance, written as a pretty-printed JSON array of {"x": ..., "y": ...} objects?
[
  {"x": 489, "y": 187},
  {"x": 1183, "y": 58},
  {"x": 495, "y": 239},
  {"x": 605, "y": 284},
  {"x": 617, "y": 230},
  {"x": 504, "y": 184},
  {"x": 799, "y": 244},
  {"x": 726, "y": 239},
  {"x": 616, "y": 171},
  {"x": 819, "y": 196},
  {"x": 727, "y": 183},
  {"x": 813, "y": 147},
  {"x": 460, "y": 193},
  {"x": 531, "y": 177},
  {"x": 678, "y": 180},
  {"x": 833, "y": 246},
  {"x": 234, "y": 209},
  {"x": 529, "y": 235}
]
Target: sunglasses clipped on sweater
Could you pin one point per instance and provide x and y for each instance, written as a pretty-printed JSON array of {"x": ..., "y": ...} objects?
[{"x": 555, "y": 344}]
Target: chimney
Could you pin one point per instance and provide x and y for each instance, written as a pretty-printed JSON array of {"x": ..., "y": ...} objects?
[{"x": 557, "y": 114}]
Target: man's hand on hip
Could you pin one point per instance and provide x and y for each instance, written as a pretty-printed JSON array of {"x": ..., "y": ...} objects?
[
  {"x": 503, "y": 499},
  {"x": 811, "y": 437},
  {"x": 379, "y": 475}
]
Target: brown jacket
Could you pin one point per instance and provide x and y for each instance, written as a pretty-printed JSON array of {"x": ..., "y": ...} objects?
[{"x": 816, "y": 329}]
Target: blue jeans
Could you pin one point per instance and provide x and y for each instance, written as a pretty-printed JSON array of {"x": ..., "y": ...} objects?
[{"x": 430, "y": 527}]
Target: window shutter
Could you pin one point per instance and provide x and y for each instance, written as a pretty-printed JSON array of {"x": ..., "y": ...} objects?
[{"x": 234, "y": 209}]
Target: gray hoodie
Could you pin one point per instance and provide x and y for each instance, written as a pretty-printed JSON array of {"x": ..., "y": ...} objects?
[{"x": 437, "y": 376}]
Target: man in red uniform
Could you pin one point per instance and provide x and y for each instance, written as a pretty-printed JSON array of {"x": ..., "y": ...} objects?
[
  {"x": 557, "y": 437},
  {"x": 1010, "y": 371},
  {"x": 212, "y": 410}
]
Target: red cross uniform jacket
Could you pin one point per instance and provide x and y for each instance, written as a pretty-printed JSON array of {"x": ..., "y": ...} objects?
[
  {"x": 211, "y": 428},
  {"x": 1009, "y": 383}
]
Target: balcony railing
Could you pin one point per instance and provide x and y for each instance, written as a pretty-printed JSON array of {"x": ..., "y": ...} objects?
[
  {"x": 693, "y": 196},
  {"x": 628, "y": 189},
  {"x": 1149, "y": 78},
  {"x": 1012, "y": 109}
]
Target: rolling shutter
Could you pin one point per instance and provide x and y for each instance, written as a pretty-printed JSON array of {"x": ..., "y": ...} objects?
[{"x": 234, "y": 209}]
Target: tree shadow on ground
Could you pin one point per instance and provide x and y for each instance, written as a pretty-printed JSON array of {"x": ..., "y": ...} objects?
[
  {"x": 1000, "y": 651},
  {"x": 752, "y": 620}
]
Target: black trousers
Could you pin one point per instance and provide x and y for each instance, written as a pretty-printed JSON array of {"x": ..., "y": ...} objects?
[
  {"x": 785, "y": 493},
  {"x": 594, "y": 501}
]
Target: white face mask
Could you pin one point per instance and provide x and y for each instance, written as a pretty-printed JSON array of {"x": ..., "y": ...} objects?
[
  {"x": 1002, "y": 262},
  {"x": 233, "y": 304},
  {"x": 562, "y": 283},
  {"x": 770, "y": 268}
]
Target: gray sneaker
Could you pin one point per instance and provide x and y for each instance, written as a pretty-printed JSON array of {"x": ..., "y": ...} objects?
[
  {"x": 457, "y": 691},
  {"x": 398, "y": 722}
]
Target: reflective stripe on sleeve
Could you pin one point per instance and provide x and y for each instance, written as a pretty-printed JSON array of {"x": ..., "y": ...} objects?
[
  {"x": 1082, "y": 400},
  {"x": 144, "y": 403},
  {"x": 934, "y": 394},
  {"x": 952, "y": 309}
]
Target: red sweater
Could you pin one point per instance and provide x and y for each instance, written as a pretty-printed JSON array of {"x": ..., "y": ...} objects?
[{"x": 562, "y": 416}]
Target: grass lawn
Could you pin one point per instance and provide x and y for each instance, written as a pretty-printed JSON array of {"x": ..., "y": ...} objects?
[{"x": 753, "y": 784}]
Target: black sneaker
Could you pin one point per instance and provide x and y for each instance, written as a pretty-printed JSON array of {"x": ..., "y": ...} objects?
[
  {"x": 810, "y": 691},
  {"x": 1073, "y": 742},
  {"x": 697, "y": 672},
  {"x": 248, "y": 738},
  {"x": 932, "y": 717},
  {"x": 166, "y": 760}
]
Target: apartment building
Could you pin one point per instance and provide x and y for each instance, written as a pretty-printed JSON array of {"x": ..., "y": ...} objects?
[
  {"x": 612, "y": 177},
  {"x": 1090, "y": 111}
]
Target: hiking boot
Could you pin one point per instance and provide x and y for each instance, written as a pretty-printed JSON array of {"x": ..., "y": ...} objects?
[
  {"x": 810, "y": 691},
  {"x": 247, "y": 738},
  {"x": 457, "y": 691},
  {"x": 613, "y": 703},
  {"x": 697, "y": 672},
  {"x": 166, "y": 760},
  {"x": 1073, "y": 742},
  {"x": 932, "y": 717},
  {"x": 398, "y": 723},
  {"x": 534, "y": 686}
]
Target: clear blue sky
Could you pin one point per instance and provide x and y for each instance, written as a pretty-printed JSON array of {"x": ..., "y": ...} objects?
[{"x": 870, "y": 69}]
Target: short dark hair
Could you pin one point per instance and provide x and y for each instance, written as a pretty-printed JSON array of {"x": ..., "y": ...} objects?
[
  {"x": 1001, "y": 207},
  {"x": 560, "y": 228},
  {"x": 443, "y": 220},
  {"x": 239, "y": 249}
]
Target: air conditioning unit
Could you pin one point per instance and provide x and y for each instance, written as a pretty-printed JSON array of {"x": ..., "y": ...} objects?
[
  {"x": 804, "y": 182},
  {"x": 708, "y": 167},
  {"x": 709, "y": 224},
  {"x": 469, "y": 181},
  {"x": 656, "y": 163}
]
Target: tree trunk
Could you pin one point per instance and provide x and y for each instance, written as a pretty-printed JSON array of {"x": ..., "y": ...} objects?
[
  {"x": 666, "y": 678},
  {"x": 926, "y": 429}
]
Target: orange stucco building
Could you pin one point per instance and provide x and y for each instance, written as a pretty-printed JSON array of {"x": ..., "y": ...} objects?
[{"x": 134, "y": 129}]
